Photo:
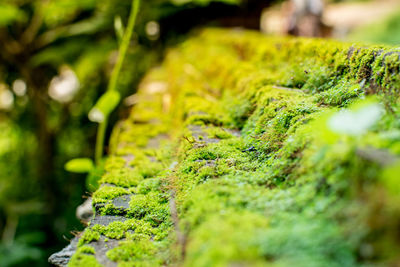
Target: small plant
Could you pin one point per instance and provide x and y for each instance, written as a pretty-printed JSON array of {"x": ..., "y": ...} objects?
[{"x": 109, "y": 100}]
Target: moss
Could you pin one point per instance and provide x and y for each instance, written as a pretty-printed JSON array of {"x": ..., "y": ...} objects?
[
  {"x": 219, "y": 133},
  {"x": 106, "y": 193},
  {"x": 113, "y": 163},
  {"x": 277, "y": 149},
  {"x": 86, "y": 250},
  {"x": 300, "y": 185},
  {"x": 81, "y": 259},
  {"x": 123, "y": 177},
  {"x": 88, "y": 236},
  {"x": 149, "y": 185},
  {"x": 341, "y": 94},
  {"x": 153, "y": 207},
  {"x": 119, "y": 230},
  {"x": 109, "y": 209},
  {"x": 139, "y": 253}
]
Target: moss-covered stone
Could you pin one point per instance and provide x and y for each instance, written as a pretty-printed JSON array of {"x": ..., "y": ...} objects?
[{"x": 244, "y": 149}]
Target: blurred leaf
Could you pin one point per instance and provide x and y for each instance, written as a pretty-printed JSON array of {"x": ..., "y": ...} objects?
[
  {"x": 60, "y": 54},
  {"x": 10, "y": 14},
  {"x": 80, "y": 165},
  {"x": 383, "y": 31},
  {"x": 31, "y": 238},
  {"x": 17, "y": 253},
  {"x": 61, "y": 11},
  {"x": 391, "y": 178},
  {"x": 104, "y": 106},
  {"x": 92, "y": 60}
]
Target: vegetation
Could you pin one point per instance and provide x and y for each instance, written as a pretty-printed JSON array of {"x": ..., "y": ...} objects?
[
  {"x": 55, "y": 61},
  {"x": 253, "y": 150},
  {"x": 240, "y": 149},
  {"x": 382, "y": 32}
]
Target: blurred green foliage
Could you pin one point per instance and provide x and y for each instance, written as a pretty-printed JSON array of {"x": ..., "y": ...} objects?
[
  {"x": 386, "y": 31},
  {"x": 55, "y": 60}
]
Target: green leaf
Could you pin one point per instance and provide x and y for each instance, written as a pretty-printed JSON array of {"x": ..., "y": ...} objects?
[
  {"x": 10, "y": 14},
  {"x": 79, "y": 165},
  {"x": 63, "y": 11},
  {"x": 104, "y": 106}
]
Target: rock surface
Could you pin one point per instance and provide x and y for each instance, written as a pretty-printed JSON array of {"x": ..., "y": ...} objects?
[{"x": 237, "y": 160}]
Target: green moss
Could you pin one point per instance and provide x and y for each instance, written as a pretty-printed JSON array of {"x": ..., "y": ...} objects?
[
  {"x": 124, "y": 177},
  {"x": 149, "y": 185},
  {"x": 106, "y": 193},
  {"x": 300, "y": 185},
  {"x": 119, "y": 230},
  {"x": 86, "y": 250},
  {"x": 113, "y": 163},
  {"x": 153, "y": 207},
  {"x": 81, "y": 259},
  {"x": 277, "y": 149},
  {"x": 88, "y": 236},
  {"x": 220, "y": 133},
  {"x": 341, "y": 94},
  {"x": 139, "y": 253}
]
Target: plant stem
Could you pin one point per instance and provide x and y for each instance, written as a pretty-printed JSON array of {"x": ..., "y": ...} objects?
[
  {"x": 115, "y": 75},
  {"x": 124, "y": 45},
  {"x": 101, "y": 132}
]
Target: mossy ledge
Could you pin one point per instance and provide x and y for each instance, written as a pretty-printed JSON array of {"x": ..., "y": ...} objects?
[{"x": 250, "y": 150}]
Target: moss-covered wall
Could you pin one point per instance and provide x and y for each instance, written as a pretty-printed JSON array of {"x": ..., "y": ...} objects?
[{"x": 246, "y": 150}]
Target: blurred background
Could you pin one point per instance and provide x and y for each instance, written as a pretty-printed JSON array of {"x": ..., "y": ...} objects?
[{"x": 56, "y": 57}]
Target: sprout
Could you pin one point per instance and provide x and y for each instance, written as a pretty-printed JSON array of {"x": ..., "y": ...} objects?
[{"x": 104, "y": 106}]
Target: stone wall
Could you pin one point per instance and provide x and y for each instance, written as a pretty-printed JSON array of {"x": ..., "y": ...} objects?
[{"x": 250, "y": 150}]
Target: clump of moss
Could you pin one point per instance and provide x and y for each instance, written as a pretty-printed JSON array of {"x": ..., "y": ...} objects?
[
  {"x": 150, "y": 185},
  {"x": 86, "y": 250},
  {"x": 123, "y": 177},
  {"x": 107, "y": 193},
  {"x": 88, "y": 236},
  {"x": 138, "y": 253},
  {"x": 153, "y": 207},
  {"x": 113, "y": 163},
  {"x": 300, "y": 184},
  {"x": 216, "y": 132},
  {"x": 81, "y": 259}
]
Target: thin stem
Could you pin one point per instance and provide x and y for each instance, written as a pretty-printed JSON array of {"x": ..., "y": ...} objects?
[
  {"x": 115, "y": 75},
  {"x": 124, "y": 45},
  {"x": 101, "y": 132}
]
